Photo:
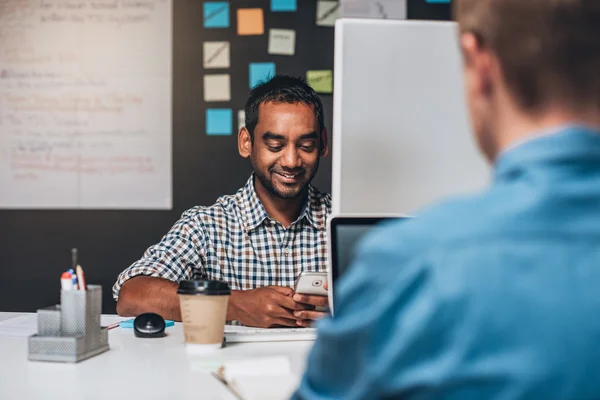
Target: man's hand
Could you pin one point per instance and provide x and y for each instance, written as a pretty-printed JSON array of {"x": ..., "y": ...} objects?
[
  {"x": 265, "y": 307},
  {"x": 308, "y": 314}
]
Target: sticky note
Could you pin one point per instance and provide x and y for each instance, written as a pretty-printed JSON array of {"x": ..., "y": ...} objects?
[
  {"x": 327, "y": 12},
  {"x": 218, "y": 121},
  {"x": 216, "y": 14},
  {"x": 250, "y": 21},
  {"x": 321, "y": 80},
  {"x": 216, "y": 55},
  {"x": 241, "y": 119},
  {"x": 282, "y": 42},
  {"x": 217, "y": 87},
  {"x": 261, "y": 72},
  {"x": 283, "y": 5},
  {"x": 437, "y": 1},
  {"x": 379, "y": 9}
]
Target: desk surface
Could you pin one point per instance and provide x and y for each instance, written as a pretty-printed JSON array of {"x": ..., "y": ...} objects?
[{"x": 132, "y": 368}]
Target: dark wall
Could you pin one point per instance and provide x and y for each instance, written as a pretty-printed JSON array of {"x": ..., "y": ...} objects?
[{"x": 35, "y": 245}]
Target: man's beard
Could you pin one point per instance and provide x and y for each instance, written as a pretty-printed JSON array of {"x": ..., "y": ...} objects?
[{"x": 271, "y": 188}]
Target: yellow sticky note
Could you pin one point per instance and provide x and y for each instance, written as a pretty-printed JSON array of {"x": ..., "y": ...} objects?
[
  {"x": 250, "y": 21},
  {"x": 321, "y": 80}
]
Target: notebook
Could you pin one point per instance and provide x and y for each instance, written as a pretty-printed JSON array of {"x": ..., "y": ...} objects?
[{"x": 259, "y": 378}]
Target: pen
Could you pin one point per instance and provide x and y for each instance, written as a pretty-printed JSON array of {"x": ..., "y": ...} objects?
[
  {"x": 73, "y": 267},
  {"x": 219, "y": 376},
  {"x": 73, "y": 278},
  {"x": 116, "y": 324},
  {"x": 73, "y": 258}
]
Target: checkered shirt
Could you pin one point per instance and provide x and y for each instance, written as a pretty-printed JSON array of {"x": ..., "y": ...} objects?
[{"x": 235, "y": 240}]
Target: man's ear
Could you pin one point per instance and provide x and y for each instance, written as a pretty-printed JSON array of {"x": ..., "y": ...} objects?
[
  {"x": 244, "y": 142},
  {"x": 478, "y": 62},
  {"x": 324, "y": 143}
]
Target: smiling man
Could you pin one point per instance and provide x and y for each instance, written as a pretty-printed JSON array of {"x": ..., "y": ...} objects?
[{"x": 259, "y": 239}]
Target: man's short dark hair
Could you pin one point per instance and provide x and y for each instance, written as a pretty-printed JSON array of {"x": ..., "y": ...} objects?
[{"x": 282, "y": 89}]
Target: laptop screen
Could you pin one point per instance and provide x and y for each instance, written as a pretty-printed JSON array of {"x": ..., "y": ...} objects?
[
  {"x": 346, "y": 232},
  {"x": 344, "y": 235}
]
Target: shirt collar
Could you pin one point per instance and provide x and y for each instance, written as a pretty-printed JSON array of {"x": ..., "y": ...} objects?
[
  {"x": 255, "y": 213},
  {"x": 568, "y": 143},
  {"x": 313, "y": 209}
]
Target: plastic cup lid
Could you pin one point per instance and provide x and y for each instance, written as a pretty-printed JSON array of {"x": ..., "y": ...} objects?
[{"x": 208, "y": 288}]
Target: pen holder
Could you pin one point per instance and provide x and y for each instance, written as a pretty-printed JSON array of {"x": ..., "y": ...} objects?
[{"x": 70, "y": 332}]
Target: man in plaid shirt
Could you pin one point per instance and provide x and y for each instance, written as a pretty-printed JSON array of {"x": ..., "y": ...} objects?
[{"x": 259, "y": 239}]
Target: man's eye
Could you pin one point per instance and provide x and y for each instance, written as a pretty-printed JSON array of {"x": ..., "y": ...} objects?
[
  {"x": 308, "y": 147},
  {"x": 275, "y": 148}
]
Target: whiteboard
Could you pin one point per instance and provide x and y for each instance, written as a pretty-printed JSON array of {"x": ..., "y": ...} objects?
[
  {"x": 85, "y": 104},
  {"x": 401, "y": 137}
]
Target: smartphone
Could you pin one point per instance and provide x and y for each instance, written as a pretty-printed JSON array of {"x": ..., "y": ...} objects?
[{"x": 311, "y": 283}]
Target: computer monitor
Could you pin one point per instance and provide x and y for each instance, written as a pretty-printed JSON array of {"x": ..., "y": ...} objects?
[
  {"x": 401, "y": 133},
  {"x": 344, "y": 232}
]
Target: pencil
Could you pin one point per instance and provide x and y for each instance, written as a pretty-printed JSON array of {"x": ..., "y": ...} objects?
[{"x": 80, "y": 278}]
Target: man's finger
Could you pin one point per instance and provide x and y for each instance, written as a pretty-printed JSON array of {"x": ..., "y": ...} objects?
[
  {"x": 284, "y": 322},
  {"x": 312, "y": 315},
  {"x": 284, "y": 301},
  {"x": 279, "y": 311},
  {"x": 318, "y": 301},
  {"x": 286, "y": 291}
]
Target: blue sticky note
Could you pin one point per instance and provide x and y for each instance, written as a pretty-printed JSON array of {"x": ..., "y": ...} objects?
[
  {"x": 283, "y": 5},
  {"x": 129, "y": 323},
  {"x": 261, "y": 72},
  {"x": 437, "y": 1},
  {"x": 216, "y": 14},
  {"x": 219, "y": 121}
]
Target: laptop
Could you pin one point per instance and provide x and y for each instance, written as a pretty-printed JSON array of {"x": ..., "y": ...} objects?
[{"x": 344, "y": 232}]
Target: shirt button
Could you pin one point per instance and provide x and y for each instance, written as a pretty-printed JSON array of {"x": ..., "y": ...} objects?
[{"x": 286, "y": 251}]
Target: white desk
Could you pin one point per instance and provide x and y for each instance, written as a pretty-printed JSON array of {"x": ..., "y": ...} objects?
[{"x": 133, "y": 368}]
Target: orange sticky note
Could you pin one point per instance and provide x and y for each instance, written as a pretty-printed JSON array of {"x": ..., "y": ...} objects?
[{"x": 250, "y": 21}]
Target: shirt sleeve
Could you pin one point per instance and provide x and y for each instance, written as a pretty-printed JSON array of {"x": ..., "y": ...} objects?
[
  {"x": 178, "y": 256},
  {"x": 376, "y": 343}
]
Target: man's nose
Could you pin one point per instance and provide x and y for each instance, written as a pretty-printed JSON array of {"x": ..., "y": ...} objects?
[{"x": 290, "y": 158}]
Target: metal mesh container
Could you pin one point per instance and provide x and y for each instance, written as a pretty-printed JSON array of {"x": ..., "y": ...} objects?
[{"x": 70, "y": 332}]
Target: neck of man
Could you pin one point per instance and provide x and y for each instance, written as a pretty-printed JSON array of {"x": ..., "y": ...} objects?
[
  {"x": 515, "y": 126},
  {"x": 285, "y": 211}
]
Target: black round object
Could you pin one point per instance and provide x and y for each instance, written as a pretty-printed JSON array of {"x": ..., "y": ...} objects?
[
  {"x": 204, "y": 287},
  {"x": 149, "y": 325}
]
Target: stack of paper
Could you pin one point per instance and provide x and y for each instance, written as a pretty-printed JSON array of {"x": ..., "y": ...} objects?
[
  {"x": 241, "y": 334},
  {"x": 265, "y": 378}
]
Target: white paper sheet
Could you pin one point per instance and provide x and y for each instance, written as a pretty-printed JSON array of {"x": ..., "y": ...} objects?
[
  {"x": 85, "y": 104},
  {"x": 260, "y": 378},
  {"x": 26, "y": 325},
  {"x": 379, "y": 9},
  {"x": 21, "y": 326}
]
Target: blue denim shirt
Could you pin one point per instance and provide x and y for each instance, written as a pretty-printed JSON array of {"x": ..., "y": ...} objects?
[{"x": 493, "y": 296}]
